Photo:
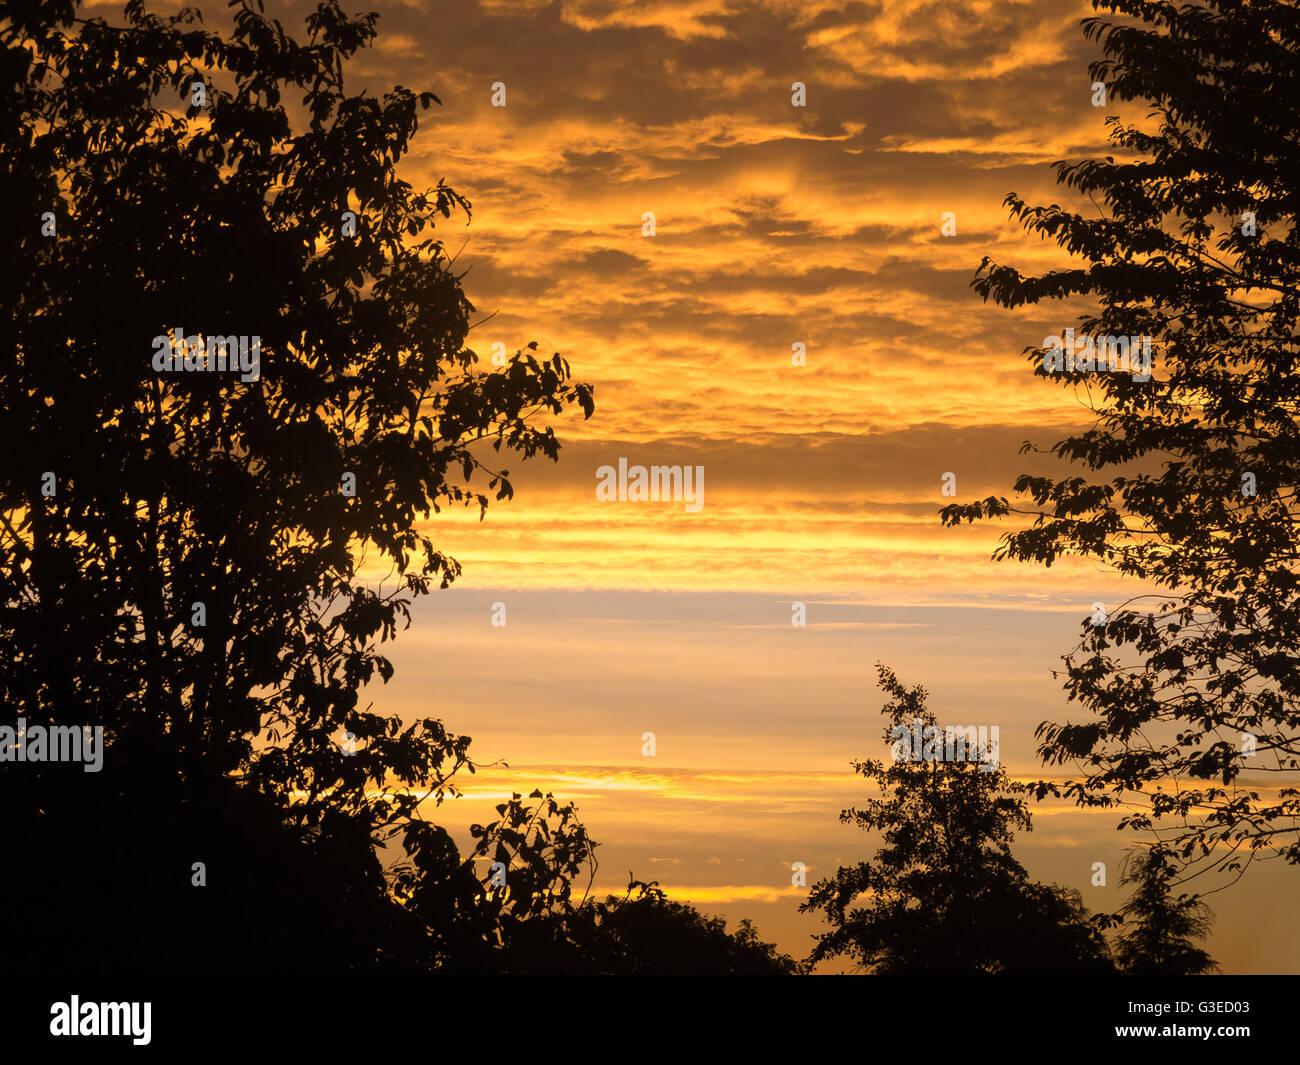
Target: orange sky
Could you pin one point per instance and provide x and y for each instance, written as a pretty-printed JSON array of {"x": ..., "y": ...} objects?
[{"x": 775, "y": 225}]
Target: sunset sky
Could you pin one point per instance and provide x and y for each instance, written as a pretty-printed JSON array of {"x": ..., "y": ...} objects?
[{"x": 775, "y": 225}]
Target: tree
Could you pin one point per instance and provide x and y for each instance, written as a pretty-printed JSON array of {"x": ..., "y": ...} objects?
[
  {"x": 1162, "y": 939},
  {"x": 641, "y": 933},
  {"x": 944, "y": 893},
  {"x": 645, "y": 932},
  {"x": 187, "y": 548},
  {"x": 518, "y": 914},
  {"x": 1186, "y": 480}
]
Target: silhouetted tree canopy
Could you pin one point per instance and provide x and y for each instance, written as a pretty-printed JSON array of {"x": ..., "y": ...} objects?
[
  {"x": 646, "y": 933},
  {"x": 944, "y": 893},
  {"x": 1162, "y": 928},
  {"x": 182, "y": 559},
  {"x": 1186, "y": 481}
]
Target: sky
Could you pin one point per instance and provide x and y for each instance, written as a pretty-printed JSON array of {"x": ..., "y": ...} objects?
[{"x": 775, "y": 225}]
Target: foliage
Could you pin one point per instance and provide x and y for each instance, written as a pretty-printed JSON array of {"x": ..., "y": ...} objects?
[
  {"x": 1187, "y": 480},
  {"x": 1162, "y": 936},
  {"x": 226, "y": 217},
  {"x": 944, "y": 893}
]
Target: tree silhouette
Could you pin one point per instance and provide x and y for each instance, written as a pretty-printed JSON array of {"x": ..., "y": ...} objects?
[
  {"x": 1162, "y": 938},
  {"x": 252, "y": 814},
  {"x": 642, "y": 933},
  {"x": 645, "y": 932},
  {"x": 944, "y": 893},
  {"x": 1188, "y": 479},
  {"x": 189, "y": 550}
]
